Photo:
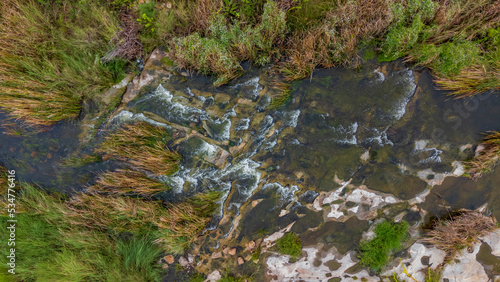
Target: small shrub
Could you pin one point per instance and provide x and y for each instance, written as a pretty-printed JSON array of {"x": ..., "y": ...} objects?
[
  {"x": 290, "y": 245},
  {"x": 388, "y": 237}
]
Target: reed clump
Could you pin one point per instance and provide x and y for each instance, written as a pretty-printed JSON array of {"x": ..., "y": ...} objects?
[
  {"x": 127, "y": 182},
  {"x": 175, "y": 226},
  {"x": 142, "y": 146},
  {"x": 225, "y": 44},
  {"x": 283, "y": 94},
  {"x": 485, "y": 160},
  {"x": 460, "y": 231}
]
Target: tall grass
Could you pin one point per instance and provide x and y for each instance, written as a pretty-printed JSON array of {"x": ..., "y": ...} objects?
[
  {"x": 49, "y": 57},
  {"x": 458, "y": 40},
  {"x": 487, "y": 159},
  {"x": 334, "y": 41},
  {"x": 144, "y": 147},
  {"x": 91, "y": 237},
  {"x": 50, "y": 248}
]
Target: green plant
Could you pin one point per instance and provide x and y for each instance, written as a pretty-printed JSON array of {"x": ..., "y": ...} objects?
[
  {"x": 116, "y": 69},
  {"x": 147, "y": 15},
  {"x": 230, "y": 9},
  {"x": 225, "y": 45},
  {"x": 388, "y": 237},
  {"x": 290, "y": 245}
]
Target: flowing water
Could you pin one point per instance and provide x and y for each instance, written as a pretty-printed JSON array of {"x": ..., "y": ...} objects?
[{"x": 383, "y": 127}]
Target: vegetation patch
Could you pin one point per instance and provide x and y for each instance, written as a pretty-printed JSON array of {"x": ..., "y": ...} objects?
[
  {"x": 460, "y": 231},
  {"x": 128, "y": 182},
  {"x": 290, "y": 245},
  {"x": 487, "y": 159},
  {"x": 49, "y": 57},
  {"x": 91, "y": 237},
  {"x": 388, "y": 237},
  {"x": 144, "y": 147},
  {"x": 225, "y": 45}
]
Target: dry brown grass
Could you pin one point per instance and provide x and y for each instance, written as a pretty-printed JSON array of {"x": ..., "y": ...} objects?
[
  {"x": 471, "y": 81},
  {"x": 460, "y": 231},
  {"x": 127, "y": 182},
  {"x": 144, "y": 147},
  {"x": 117, "y": 213},
  {"x": 335, "y": 41},
  {"x": 203, "y": 11},
  {"x": 178, "y": 224},
  {"x": 487, "y": 159},
  {"x": 464, "y": 19}
]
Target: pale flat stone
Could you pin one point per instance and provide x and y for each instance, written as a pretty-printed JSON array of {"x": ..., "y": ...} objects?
[
  {"x": 466, "y": 269},
  {"x": 414, "y": 264},
  {"x": 214, "y": 276},
  {"x": 493, "y": 240}
]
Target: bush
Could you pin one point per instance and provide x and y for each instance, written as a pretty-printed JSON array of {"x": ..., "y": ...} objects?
[
  {"x": 388, "y": 237},
  {"x": 290, "y": 245}
]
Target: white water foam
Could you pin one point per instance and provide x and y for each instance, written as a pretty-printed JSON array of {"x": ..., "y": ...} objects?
[
  {"x": 254, "y": 86},
  {"x": 349, "y": 132},
  {"x": 408, "y": 83},
  {"x": 243, "y": 124},
  {"x": 287, "y": 193},
  {"x": 291, "y": 118}
]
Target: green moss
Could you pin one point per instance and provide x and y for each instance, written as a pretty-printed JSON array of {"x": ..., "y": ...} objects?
[
  {"x": 290, "y": 245},
  {"x": 389, "y": 235}
]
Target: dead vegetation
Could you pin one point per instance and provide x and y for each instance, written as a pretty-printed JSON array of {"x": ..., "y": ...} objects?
[
  {"x": 460, "y": 231},
  {"x": 335, "y": 41},
  {"x": 127, "y": 42},
  {"x": 487, "y": 158}
]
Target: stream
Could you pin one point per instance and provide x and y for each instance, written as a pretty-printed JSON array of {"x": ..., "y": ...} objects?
[{"x": 348, "y": 144}]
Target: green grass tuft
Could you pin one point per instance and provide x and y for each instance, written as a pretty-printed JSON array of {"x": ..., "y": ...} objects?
[{"x": 389, "y": 235}]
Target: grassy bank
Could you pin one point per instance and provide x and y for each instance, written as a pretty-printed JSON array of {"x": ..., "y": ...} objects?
[
  {"x": 458, "y": 40},
  {"x": 50, "y": 57},
  {"x": 90, "y": 237},
  {"x": 55, "y": 54}
]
